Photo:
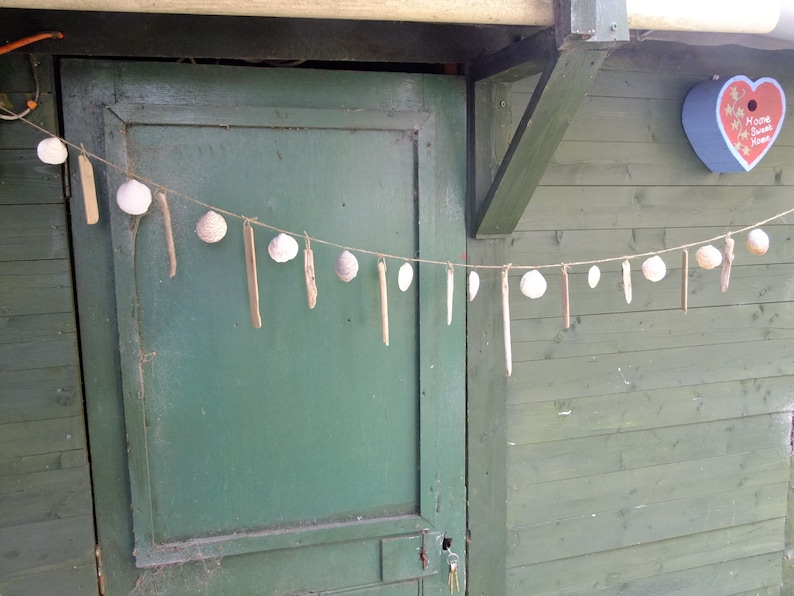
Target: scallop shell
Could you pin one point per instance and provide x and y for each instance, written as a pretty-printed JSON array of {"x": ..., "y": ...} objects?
[
  {"x": 474, "y": 285},
  {"x": 708, "y": 257},
  {"x": 757, "y": 241},
  {"x": 533, "y": 284},
  {"x": 211, "y": 227},
  {"x": 52, "y": 151},
  {"x": 405, "y": 276},
  {"x": 654, "y": 269},
  {"x": 593, "y": 276},
  {"x": 133, "y": 197},
  {"x": 283, "y": 248},
  {"x": 346, "y": 266}
]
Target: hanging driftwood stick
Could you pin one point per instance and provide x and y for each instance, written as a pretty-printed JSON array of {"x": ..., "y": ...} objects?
[
  {"x": 450, "y": 291},
  {"x": 627, "y": 280},
  {"x": 89, "y": 189},
  {"x": 684, "y": 279},
  {"x": 384, "y": 301},
  {"x": 250, "y": 268},
  {"x": 566, "y": 304},
  {"x": 168, "y": 230},
  {"x": 506, "y": 321},
  {"x": 308, "y": 268},
  {"x": 727, "y": 261}
]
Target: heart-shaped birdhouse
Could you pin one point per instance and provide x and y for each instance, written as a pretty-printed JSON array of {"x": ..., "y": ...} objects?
[{"x": 732, "y": 124}]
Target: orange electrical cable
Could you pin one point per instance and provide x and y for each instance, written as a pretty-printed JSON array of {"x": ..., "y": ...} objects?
[{"x": 9, "y": 47}]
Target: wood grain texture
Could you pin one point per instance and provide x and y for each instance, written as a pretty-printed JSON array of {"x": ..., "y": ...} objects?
[
  {"x": 46, "y": 528},
  {"x": 630, "y": 435}
]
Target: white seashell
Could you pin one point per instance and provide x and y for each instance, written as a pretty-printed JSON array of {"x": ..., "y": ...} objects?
[
  {"x": 133, "y": 197},
  {"x": 405, "y": 276},
  {"x": 757, "y": 241},
  {"x": 533, "y": 284},
  {"x": 346, "y": 266},
  {"x": 654, "y": 269},
  {"x": 593, "y": 276},
  {"x": 283, "y": 248},
  {"x": 474, "y": 285},
  {"x": 708, "y": 257},
  {"x": 52, "y": 151},
  {"x": 211, "y": 227}
]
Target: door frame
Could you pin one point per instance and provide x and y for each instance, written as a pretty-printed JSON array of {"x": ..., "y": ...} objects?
[{"x": 443, "y": 237}]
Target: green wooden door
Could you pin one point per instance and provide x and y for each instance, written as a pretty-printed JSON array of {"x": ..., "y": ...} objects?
[{"x": 304, "y": 456}]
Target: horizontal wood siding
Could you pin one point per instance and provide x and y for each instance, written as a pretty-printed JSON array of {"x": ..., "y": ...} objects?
[
  {"x": 649, "y": 449},
  {"x": 46, "y": 524}
]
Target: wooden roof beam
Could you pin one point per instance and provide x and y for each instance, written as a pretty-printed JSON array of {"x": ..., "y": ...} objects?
[{"x": 585, "y": 32}]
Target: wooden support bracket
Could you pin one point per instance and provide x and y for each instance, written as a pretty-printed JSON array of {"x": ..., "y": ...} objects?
[
  {"x": 554, "y": 102},
  {"x": 569, "y": 58}
]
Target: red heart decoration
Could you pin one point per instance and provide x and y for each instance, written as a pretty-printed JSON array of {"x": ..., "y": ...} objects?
[
  {"x": 751, "y": 116},
  {"x": 732, "y": 124}
]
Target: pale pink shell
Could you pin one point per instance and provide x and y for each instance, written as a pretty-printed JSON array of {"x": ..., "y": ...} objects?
[
  {"x": 708, "y": 257},
  {"x": 211, "y": 227},
  {"x": 346, "y": 266},
  {"x": 654, "y": 269},
  {"x": 283, "y": 248},
  {"x": 757, "y": 241}
]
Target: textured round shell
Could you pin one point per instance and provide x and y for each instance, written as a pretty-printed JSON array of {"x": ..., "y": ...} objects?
[
  {"x": 346, "y": 266},
  {"x": 211, "y": 227},
  {"x": 52, "y": 151},
  {"x": 405, "y": 276},
  {"x": 593, "y": 276},
  {"x": 708, "y": 257},
  {"x": 133, "y": 197},
  {"x": 654, "y": 269},
  {"x": 533, "y": 284},
  {"x": 757, "y": 241},
  {"x": 283, "y": 248},
  {"x": 474, "y": 285}
]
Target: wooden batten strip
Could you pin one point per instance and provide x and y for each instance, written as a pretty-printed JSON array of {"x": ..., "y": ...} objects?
[
  {"x": 727, "y": 262},
  {"x": 88, "y": 183},
  {"x": 566, "y": 301},
  {"x": 168, "y": 231},
  {"x": 250, "y": 267},
  {"x": 506, "y": 321},
  {"x": 384, "y": 302},
  {"x": 684, "y": 280}
]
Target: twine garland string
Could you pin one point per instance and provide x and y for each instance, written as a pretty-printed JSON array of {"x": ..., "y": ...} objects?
[{"x": 381, "y": 255}]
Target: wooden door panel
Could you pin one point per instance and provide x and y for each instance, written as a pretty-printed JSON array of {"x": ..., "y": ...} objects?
[{"x": 308, "y": 432}]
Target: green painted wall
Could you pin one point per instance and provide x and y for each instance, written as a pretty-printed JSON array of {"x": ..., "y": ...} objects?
[
  {"x": 648, "y": 449},
  {"x": 46, "y": 520}
]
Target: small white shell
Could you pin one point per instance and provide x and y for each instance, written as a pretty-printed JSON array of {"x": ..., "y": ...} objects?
[
  {"x": 654, "y": 269},
  {"x": 133, "y": 197},
  {"x": 533, "y": 284},
  {"x": 283, "y": 248},
  {"x": 708, "y": 257},
  {"x": 346, "y": 266},
  {"x": 474, "y": 285},
  {"x": 52, "y": 151},
  {"x": 405, "y": 276},
  {"x": 211, "y": 227},
  {"x": 757, "y": 241},
  {"x": 593, "y": 276}
]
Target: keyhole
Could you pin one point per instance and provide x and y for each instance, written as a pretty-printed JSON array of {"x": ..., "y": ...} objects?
[{"x": 752, "y": 105}]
